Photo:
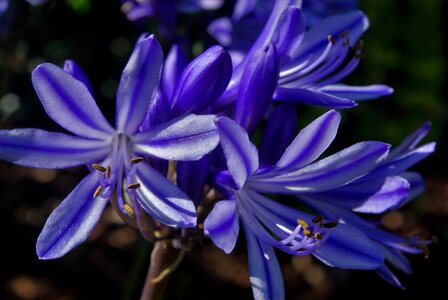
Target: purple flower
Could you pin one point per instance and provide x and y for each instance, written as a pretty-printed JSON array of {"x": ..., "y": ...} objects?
[
  {"x": 269, "y": 224},
  {"x": 165, "y": 10},
  {"x": 312, "y": 62},
  {"x": 114, "y": 155},
  {"x": 388, "y": 186}
]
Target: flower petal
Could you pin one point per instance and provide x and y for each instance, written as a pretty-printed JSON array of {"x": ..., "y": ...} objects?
[
  {"x": 265, "y": 275},
  {"x": 410, "y": 142},
  {"x": 312, "y": 97},
  {"x": 279, "y": 133},
  {"x": 243, "y": 8},
  {"x": 187, "y": 138},
  {"x": 163, "y": 200},
  {"x": 138, "y": 84},
  {"x": 241, "y": 155},
  {"x": 358, "y": 92},
  {"x": 49, "y": 150},
  {"x": 384, "y": 272},
  {"x": 72, "y": 221},
  {"x": 72, "y": 68},
  {"x": 311, "y": 142},
  {"x": 202, "y": 81},
  {"x": 289, "y": 33},
  {"x": 175, "y": 63},
  {"x": 349, "y": 248},
  {"x": 69, "y": 103},
  {"x": 402, "y": 163},
  {"x": 222, "y": 225},
  {"x": 256, "y": 88},
  {"x": 159, "y": 112},
  {"x": 191, "y": 177},
  {"x": 331, "y": 172},
  {"x": 369, "y": 196}
]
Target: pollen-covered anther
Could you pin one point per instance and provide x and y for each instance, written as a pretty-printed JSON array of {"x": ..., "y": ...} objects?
[
  {"x": 330, "y": 225},
  {"x": 318, "y": 236},
  {"x": 317, "y": 219},
  {"x": 129, "y": 209},
  {"x": 107, "y": 172},
  {"x": 303, "y": 223},
  {"x": 97, "y": 191},
  {"x": 308, "y": 233},
  {"x": 134, "y": 186},
  {"x": 99, "y": 168},
  {"x": 136, "y": 160}
]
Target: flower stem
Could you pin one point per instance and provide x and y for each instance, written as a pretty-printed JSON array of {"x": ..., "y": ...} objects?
[{"x": 164, "y": 260}]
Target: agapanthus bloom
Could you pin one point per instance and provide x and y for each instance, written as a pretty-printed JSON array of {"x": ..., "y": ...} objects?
[
  {"x": 115, "y": 156},
  {"x": 269, "y": 224},
  {"x": 312, "y": 62}
]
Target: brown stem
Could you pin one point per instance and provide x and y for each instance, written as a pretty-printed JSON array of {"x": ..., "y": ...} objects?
[{"x": 164, "y": 260}]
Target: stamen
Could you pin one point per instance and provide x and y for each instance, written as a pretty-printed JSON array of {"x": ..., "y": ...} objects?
[
  {"x": 318, "y": 236},
  {"x": 136, "y": 160},
  {"x": 99, "y": 167},
  {"x": 331, "y": 39},
  {"x": 107, "y": 172},
  {"x": 97, "y": 191},
  {"x": 330, "y": 225},
  {"x": 134, "y": 186},
  {"x": 303, "y": 223},
  {"x": 317, "y": 219},
  {"x": 344, "y": 33},
  {"x": 308, "y": 233},
  {"x": 129, "y": 209}
]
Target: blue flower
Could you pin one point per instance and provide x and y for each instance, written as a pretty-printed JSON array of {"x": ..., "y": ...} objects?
[
  {"x": 269, "y": 224},
  {"x": 312, "y": 62},
  {"x": 114, "y": 155}
]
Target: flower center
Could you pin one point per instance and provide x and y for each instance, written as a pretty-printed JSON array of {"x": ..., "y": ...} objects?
[
  {"x": 117, "y": 171},
  {"x": 305, "y": 240}
]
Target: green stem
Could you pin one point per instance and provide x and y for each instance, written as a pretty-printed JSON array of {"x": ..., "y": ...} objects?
[{"x": 164, "y": 260}]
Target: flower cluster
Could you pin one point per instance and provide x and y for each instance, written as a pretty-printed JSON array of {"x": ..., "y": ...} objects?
[{"x": 158, "y": 162}]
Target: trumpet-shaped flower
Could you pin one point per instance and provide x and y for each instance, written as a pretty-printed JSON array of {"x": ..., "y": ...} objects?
[
  {"x": 312, "y": 62},
  {"x": 269, "y": 224},
  {"x": 115, "y": 156}
]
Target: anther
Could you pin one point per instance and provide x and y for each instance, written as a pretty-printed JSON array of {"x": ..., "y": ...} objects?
[
  {"x": 308, "y": 233},
  {"x": 99, "y": 167},
  {"x": 134, "y": 186},
  {"x": 200, "y": 226},
  {"x": 360, "y": 45},
  {"x": 331, "y": 39},
  {"x": 330, "y": 225},
  {"x": 136, "y": 160},
  {"x": 318, "y": 236},
  {"x": 344, "y": 33},
  {"x": 129, "y": 209},
  {"x": 107, "y": 172},
  {"x": 302, "y": 223},
  {"x": 97, "y": 191},
  {"x": 317, "y": 219}
]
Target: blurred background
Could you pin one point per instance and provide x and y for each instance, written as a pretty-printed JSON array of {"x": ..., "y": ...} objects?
[{"x": 405, "y": 47}]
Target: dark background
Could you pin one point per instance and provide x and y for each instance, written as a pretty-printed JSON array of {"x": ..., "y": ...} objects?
[{"x": 405, "y": 48}]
